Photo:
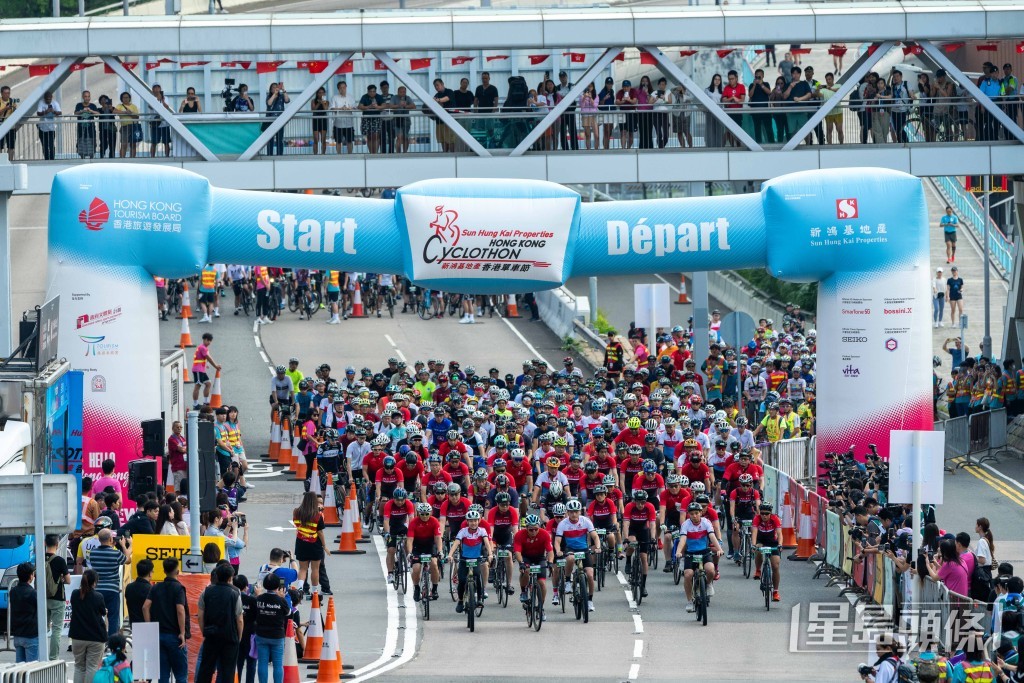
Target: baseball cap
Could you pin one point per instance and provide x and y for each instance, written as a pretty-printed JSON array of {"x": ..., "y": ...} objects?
[
  {"x": 609, "y": 79},
  {"x": 626, "y": 84}
]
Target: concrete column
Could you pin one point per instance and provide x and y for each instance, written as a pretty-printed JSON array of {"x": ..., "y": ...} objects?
[{"x": 12, "y": 177}]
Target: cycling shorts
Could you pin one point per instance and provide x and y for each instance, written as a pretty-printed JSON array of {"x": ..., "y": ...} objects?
[
  {"x": 605, "y": 522},
  {"x": 672, "y": 518},
  {"x": 588, "y": 560},
  {"x": 502, "y": 535},
  {"x": 641, "y": 531},
  {"x": 536, "y": 560},
  {"x": 421, "y": 547},
  {"x": 332, "y": 297},
  {"x": 745, "y": 513},
  {"x": 236, "y": 286},
  {"x": 395, "y": 533}
]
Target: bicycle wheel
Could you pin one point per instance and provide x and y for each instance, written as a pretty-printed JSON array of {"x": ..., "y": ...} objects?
[
  {"x": 480, "y": 596},
  {"x": 766, "y": 583},
  {"x": 599, "y": 569},
  {"x": 537, "y": 607},
  {"x": 294, "y": 302},
  {"x": 634, "y": 579},
  {"x": 528, "y": 607},
  {"x": 390, "y": 298},
  {"x": 748, "y": 560},
  {"x": 582, "y": 595},
  {"x": 246, "y": 303},
  {"x": 500, "y": 582},
  {"x": 677, "y": 570},
  {"x": 424, "y": 310},
  {"x": 471, "y": 610},
  {"x": 702, "y": 600},
  {"x": 425, "y": 593},
  {"x": 453, "y": 582},
  {"x": 404, "y": 573},
  {"x": 577, "y": 604},
  {"x": 652, "y": 555},
  {"x": 561, "y": 588}
]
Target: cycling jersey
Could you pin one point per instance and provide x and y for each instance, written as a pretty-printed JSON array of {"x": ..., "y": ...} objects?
[
  {"x": 573, "y": 475},
  {"x": 472, "y": 542},
  {"x": 436, "y": 503},
  {"x": 356, "y": 452},
  {"x": 651, "y": 485},
  {"x": 733, "y": 472},
  {"x": 438, "y": 430},
  {"x": 544, "y": 481},
  {"x": 675, "y": 505},
  {"x": 698, "y": 472},
  {"x": 424, "y": 530},
  {"x": 431, "y": 478},
  {"x": 766, "y": 529},
  {"x": 388, "y": 481},
  {"x": 208, "y": 280},
  {"x": 574, "y": 535},
  {"x": 746, "y": 500},
  {"x": 503, "y": 524},
  {"x": 455, "y": 513},
  {"x": 411, "y": 473},
  {"x": 635, "y": 514},
  {"x": 697, "y": 535},
  {"x": 629, "y": 469},
  {"x": 606, "y": 464},
  {"x": 603, "y": 513},
  {"x": 532, "y": 548},
  {"x": 398, "y": 514},
  {"x": 328, "y": 457}
]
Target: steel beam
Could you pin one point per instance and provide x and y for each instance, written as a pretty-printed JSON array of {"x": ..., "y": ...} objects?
[{"x": 52, "y": 82}]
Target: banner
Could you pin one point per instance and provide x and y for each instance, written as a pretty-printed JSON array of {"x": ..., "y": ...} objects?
[
  {"x": 833, "y": 546},
  {"x": 158, "y": 547}
]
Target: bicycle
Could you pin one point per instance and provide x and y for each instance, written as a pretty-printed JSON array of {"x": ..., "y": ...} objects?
[
  {"x": 767, "y": 580},
  {"x": 366, "y": 505},
  {"x": 401, "y": 579},
  {"x": 370, "y": 300},
  {"x": 677, "y": 567},
  {"x": 424, "y": 305},
  {"x": 580, "y": 594},
  {"x": 247, "y": 300},
  {"x": 474, "y": 602},
  {"x": 389, "y": 300},
  {"x": 636, "y": 577},
  {"x": 652, "y": 553},
  {"x": 599, "y": 559},
  {"x": 746, "y": 554},
  {"x": 534, "y": 606},
  {"x": 700, "y": 587},
  {"x": 558, "y": 581},
  {"x": 499, "y": 578},
  {"x": 453, "y": 577},
  {"x": 425, "y": 586}
]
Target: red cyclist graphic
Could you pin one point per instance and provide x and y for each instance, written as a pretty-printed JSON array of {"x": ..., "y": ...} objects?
[{"x": 444, "y": 222}]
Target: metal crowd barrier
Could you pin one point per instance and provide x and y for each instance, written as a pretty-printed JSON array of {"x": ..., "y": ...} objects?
[
  {"x": 796, "y": 457},
  {"x": 973, "y": 439}
]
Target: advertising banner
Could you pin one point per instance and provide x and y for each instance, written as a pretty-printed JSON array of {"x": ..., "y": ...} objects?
[
  {"x": 158, "y": 547},
  {"x": 833, "y": 545}
]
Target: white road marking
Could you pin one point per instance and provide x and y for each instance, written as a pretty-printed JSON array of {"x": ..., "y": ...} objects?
[
  {"x": 395, "y": 347},
  {"x": 390, "y": 340},
  {"x": 535, "y": 352},
  {"x": 634, "y": 672},
  {"x": 638, "y": 624},
  {"x": 621, "y": 577},
  {"x": 263, "y": 355},
  {"x": 670, "y": 285},
  {"x": 638, "y": 649},
  {"x": 391, "y": 635}
]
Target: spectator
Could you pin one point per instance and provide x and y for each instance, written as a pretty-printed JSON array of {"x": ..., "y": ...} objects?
[
  {"x": 786, "y": 68},
  {"x": 112, "y": 501},
  {"x": 343, "y": 124},
  {"x": 402, "y": 105},
  {"x": 1010, "y": 101},
  {"x": 682, "y": 106},
  {"x": 159, "y": 128},
  {"x": 24, "y": 624},
  {"x": 445, "y": 136},
  {"x": 463, "y": 104},
  {"x": 734, "y": 94},
  {"x": 106, "y": 560},
  {"x": 759, "y": 95},
  {"x": 713, "y": 130},
  {"x": 949, "y": 223},
  {"x": 885, "y": 669},
  {"x": 614, "y": 356},
  {"x": 220, "y": 620},
  {"x": 925, "y": 108},
  {"x": 137, "y": 592},
  {"x": 7, "y": 106},
  {"x": 955, "y": 295},
  {"x": 277, "y": 98},
  {"x": 319, "y": 106},
  {"x": 588, "y": 110},
  {"x": 798, "y": 94},
  {"x": 177, "y": 453},
  {"x": 567, "y": 135},
  {"x": 486, "y": 96},
  {"x": 228, "y": 528},
  {"x": 168, "y": 606},
  {"x": 107, "y": 127},
  {"x": 834, "y": 119},
  {"x": 626, "y": 99},
  {"x": 881, "y": 108},
  {"x": 778, "y": 105},
  {"x": 58, "y": 575},
  {"x": 243, "y": 102},
  {"x": 131, "y": 129},
  {"x": 211, "y": 553},
  {"x": 645, "y": 116},
  {"x": 118, "y": 658},
  {"x": 606, "y": 105},
  {"x": 272, "y": 613},
  {"x": 992, "y": 88},
  {"x": 662, "y": 103},
  {"x": 370, "y": 104},
  {"x": 166, "y": 522},
  {"x": 85, "y": 132},
  {"x": 938, "y": 298},
  {"x": 815, "y": 86},
  {"x": 902, "y": 100},
  {"x": 951, "y": 569},
  {"x": 47, "y": 111},
  {"x": 248, "y": 625},
  {"x": 191, "y": 103},
  {"x": 107, "y": 480},
  {"x": 90, "y": 511},
  {"x": 88, "y": 628},
  {"x": 387, "y": 120},
  {"x": 142, "y": 522}
]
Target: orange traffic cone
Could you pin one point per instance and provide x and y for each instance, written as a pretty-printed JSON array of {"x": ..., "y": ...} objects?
[
  {"x": 291, "y": 658},
  {"x": 314, "y": 632},
  {"x": 357, "y": 523},
  {"x": 347, "y": 544},
  {"x": 185, "y": 377},
  {"x": 512, "y": 310},
  {"x": 275, "y": 438},
  {"x": 314, "y": 482},
  {"x": 788, "y": 529},
  {"x": 329, "y": 671},
  {"x": 330, "y": 504},
  {"x": 186, "y": 302},
  {"x": 216, "y": 401},
  {"x": 683, "y": 296},
  {"x": 299, "y": 465},
  {"x": 805, "y": 538},
  {"x": 286, "y": 453},
  {"x": 357, "y": 303},
  {"x": 186, "y": 335}
]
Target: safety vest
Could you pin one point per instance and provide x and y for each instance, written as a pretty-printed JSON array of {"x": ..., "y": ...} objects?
[
  {"x": 1020, "y": 384},
  {"x": 773, "y": 428},
  {"x": 977, "y": 391},
  {"x": 306, "y": 531},
  {"x": 994, "y": 387},
  {"x": 333, "y": 280},
  {"x": 234, "y": 434},
  {"x": 1010, "y": 385},
  {"x": 776, "y": 379},
  {"x": 978, "y": 672},
  {"x": 208, "y": 280},
  {"x": 951, "y": 391}
]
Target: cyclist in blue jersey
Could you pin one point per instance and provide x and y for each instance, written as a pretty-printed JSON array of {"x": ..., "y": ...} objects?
[
  {"x": 472, "y": 543},
  {"x": 697, "y": 540},
  {"x": 438, "y": 427},
  {"x": 576, "y": 533}
]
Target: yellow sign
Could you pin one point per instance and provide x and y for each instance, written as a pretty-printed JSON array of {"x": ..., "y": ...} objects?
[{"x": 158, "y": 548}]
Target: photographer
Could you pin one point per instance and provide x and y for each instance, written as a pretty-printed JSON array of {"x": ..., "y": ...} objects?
[
  {"x": 885, "y": 669},
  {"x": 866, "y": 533},
  {"x": 229, "y": 527},
  {"x": 281, "y": 563}
]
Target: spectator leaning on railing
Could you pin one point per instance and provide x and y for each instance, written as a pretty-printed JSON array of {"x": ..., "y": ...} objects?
[{"x": 47, "y": 111}]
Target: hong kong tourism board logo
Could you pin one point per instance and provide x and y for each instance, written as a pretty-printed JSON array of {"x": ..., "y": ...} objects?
[
  {"x": 94, "y": 217},
  {"x": 96, "y": 345}
]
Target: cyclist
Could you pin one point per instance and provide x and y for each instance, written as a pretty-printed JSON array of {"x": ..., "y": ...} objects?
[
  {"x": 574, "y": 473},
  {"x": 282, "y": 391},
  {"x": 603, "y": 512},
  {"x": 634, "y": 434},
  {"x": 437, "y": 497},
  {"x": 630, "y": 467},
  {"x": 480, "y": 488},
  {"x": 551, "y": 475},
  {"x": 424, "y": 539},
  {"x": 592, "y": 478},
  {"x": 473, "y": 544},
  {"x": 704, "y": 500},
  {"x": 742, "y": 501},
  {"x": 651, "y": 482},
  {"x": 359, "y": 453},
  {"x": 330, "y": 459},
  {"x": 388, "y": 478},
  {"x": 397, "y": 513},
  {"x": 639, "y": 519},
  {"x": 674, "y": 500},
  {"x": 558, "y": 513},
  {"x": 532, "y": 546},
  {"x": 769, "y": 540},
  {"x": 503, "y": 484},
  {"x": 456, "y": 469},
  {"x": 577, "y": 534},
  {"x": 557, "y": 494},
  {"x": 699, "y": 544},
  {"x": 691, "y": 465},
  {"x": 503, "y": 521},
  {"x": 454, "y": 510},
  {"x": 412, "y": 472}
]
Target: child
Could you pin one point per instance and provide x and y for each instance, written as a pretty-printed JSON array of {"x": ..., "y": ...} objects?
[{"x": 117, "y": 659}]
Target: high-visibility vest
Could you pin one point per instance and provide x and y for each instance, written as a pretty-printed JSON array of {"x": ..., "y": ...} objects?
[
  {"x": 306, "y": 531},
  {"x": 978, "y": 672},
  {"x": 996, "y": 387},
  {"x": 208, "y": 280},
  {"x": 1009, "y": 384},
  {"x": 963, "y": 387}
]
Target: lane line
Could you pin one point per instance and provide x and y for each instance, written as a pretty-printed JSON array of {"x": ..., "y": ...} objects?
[
  {"x": 1003, "y": 475},
  {"x": 395, "y": 347},
  {"x": 391, "y": 635},
  {"x": 621, "y": 577},
  {"x": 535, "y": 352},
  {"x": 629, "y": 599},
  {"x": 670, "y": 285},
  {"x": 634, "y": 672},
  {"x": 390, "y": 340},
  {"x": 638, "y": 649},
  {"x": 638, "y": 625},
  {"x": 995, "y": 485}
]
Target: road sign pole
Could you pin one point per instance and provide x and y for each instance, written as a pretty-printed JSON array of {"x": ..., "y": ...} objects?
[
  {"x": 40, "y": 549},
  {"x": 916, "y": 519},
  {"x": 652, "y": 333},
  {"x": 193, "y": 478},
  {"x": 986, "y": 341}
]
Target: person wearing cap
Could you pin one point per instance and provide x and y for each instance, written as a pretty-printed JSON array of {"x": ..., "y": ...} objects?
[
  {"x": 567, "y": 136},
  {"x": 992, "y": 87},
  {"x": 370, "y": 104},
  {"x": 938, "y": 298},
  {"x": 1009, "y": 102},
  {"x": 626, "y": 100},
  {"x": 955, "y": 295},
  {"x": 606, "y": 105}
]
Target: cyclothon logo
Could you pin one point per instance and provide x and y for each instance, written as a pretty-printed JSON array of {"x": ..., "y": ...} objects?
[
  {"x": 503, "y": 250},
  {"x": 444, "y": 225},
  {"x": 94, "y": 345},
  {"x": 846, "y": 208},
  {"x": 95, "y": 216}
]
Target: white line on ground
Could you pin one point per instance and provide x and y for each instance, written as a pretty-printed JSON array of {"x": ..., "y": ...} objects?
[
  {"x": 263, "y": 355},
  {"x": 634, "y": 672},
  {"x": 391, "y": 635},
  {"x": 629, "y": 599},
  {"x": 670, "y": 285},
  {"x": 638, "y": 649},
  {"x": 621, "y": 577},
  {"x": 638, "y": 624},
  {"x": 390, "y": 340},
  {"x": 1003, "y": 475},
  {"x": 395, "y": 347},
  {"x": 535, "y": 352}
]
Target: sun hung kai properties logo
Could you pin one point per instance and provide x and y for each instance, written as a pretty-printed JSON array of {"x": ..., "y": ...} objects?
[
  {"x": 95, "y": 216},
  {"x": 95, "y": 346}
]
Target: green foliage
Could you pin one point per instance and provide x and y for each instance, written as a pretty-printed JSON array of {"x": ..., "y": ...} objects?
[
  {"x": 602, "y": 325},
  {"x": 572, "y": 345},
  {"x": 29, "y": 9},
  {"x": 806, "y": 294}
]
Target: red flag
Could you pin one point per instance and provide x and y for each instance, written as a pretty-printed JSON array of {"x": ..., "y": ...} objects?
[
  {"x": 128, "y": 65},
  {"x": 83, "y": 65},
  {"x": 722, "y": 54},
  {"x": 537, "y": 59},
  {"x": 952, "y": 47},
  {"x": 492, "y": 58},
  {"x": 621, "y": 57},
  {"x": 459, "y": 61},
  {"x": 41, "y": 69},
  {"x": 187, "y": 64},
  {"x": 801, "y": 50},
  {"x": 268, "y": 67},
  {"x": 1020, "y": 48},
  {"x": 379, "y": 65},
  {"x": 236, "y": 65},
  {"x": 687, "y": 53},
  {"x": 647, "y": 58},
  {"x": 577, "y": 57},
  {"x": 419, "y": 63},
  {"x": 345, "y": 68},
  {"x": 761, "y": 52},
  {"x": 152, "y": 65},
  {"x": 872, "y": 48},
  {"x": 986, "y": 47},
  {"x": 318, "y": 66}
]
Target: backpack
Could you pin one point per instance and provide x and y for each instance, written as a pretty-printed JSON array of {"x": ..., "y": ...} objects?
[
  {"x": 980, "y": 581},
  {"x": 113, "y": 673},
  {"x": 905, "y": 672},
  {"x": 518, "y": 92},
  {"x": 52, "y": 585}
]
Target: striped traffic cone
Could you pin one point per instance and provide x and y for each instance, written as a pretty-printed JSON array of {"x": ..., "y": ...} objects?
[
  {"x": 805, "y": 538},
  {"x": 337, "y": 639},
  {"x": 314, "y": 632},
  {"x": 186, "y": 302},
  {"x": 299, "y": 465},
  {"x": 357, "y": 303},
  {"x": 347, "y": 544},
  {"x": 330, "y": 504},
  {"x": 788, "y": 529},
  {"x": 216, "y": 400},
  {"x": 357, "y": 522},
  {"x": 314, "y": 482},
  {"x": 291, "y": 658},
  {"x": 274, "y": 450},
  {"x": 287, "y": 453},
  {"x": 684, "y": 298},
  {"x": 329, "y": 671},
  {"x": 185, "y": 377},
  {"x": 186, "y": 335},
  {"x": 511, "y": 308}
]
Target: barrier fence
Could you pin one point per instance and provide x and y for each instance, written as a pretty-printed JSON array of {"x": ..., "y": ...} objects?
[
  {"x": 796, "y": 457},
  {"x": 974, "y": 439}
]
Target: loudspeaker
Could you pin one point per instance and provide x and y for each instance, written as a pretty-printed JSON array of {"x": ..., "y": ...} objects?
[
  {"x": 141, "y": 478},
  {"x": 153, "y": 438}
]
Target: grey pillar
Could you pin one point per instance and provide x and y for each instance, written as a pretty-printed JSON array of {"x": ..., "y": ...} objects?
[
  {"x": 12, "y": 177},
  {"x": 986, "y": 341},
  {"x": 700, "y": 317},
  {"x": 592, "y": 286}
]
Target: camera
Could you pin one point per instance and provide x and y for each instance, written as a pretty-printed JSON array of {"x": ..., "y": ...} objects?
[
  {"x": 228, "y": 93},
  {"x": 241, "y": 519},
  {"x": 865, "y": 669}
]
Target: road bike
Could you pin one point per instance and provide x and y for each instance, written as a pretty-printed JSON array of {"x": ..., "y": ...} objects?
[
  {"x": 534, "y": 605},
  {"x": 474, "y": 594},
  {"x": 499, "y": 577},
  {"x": 745, "y": 554},
  {"x": 700, "y": 586},
  {"x": 425, "y": 587},
  {"x": 424, "y": 304},
  {"x": 453, "y": 577},
  {"x": 677, "y": 567},
  {"x": 401, "y": 580},
  {"x": 767, "y": 580},
  {"x": 388, "y": 294},
  {"x": 365, "y": 502},
  {"x": 636, "y": 577},
  {"x": 652, "y": 553},
  {"x": 558, "y": 581},
  {"x": 580, "y": 594},
  {"x": 600, "y": 568}
]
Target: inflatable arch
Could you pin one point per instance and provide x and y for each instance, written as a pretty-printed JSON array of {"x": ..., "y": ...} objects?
[{"x": 862, "y": 233}]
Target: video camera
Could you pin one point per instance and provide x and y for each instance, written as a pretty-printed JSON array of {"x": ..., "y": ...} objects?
[{"x": 228, "y": 93}]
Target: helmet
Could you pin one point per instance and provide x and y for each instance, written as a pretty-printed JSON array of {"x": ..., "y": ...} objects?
[
  {"x": 303, "y": 385},
  {"x": 423, "y": 509},
  {"x": 650, "y": 467},
  {"x": 673, "y": 480},
  {"x": 746, "y": 479},
  {"x": 454, "y": 488},
  {"x": 555, "y": 489},
  {"x": 473, "y": 514},
  {"x": 600, "y": 488},
  {"x": 651, "y": 425},
  {"x": 451, "y": 434},
  {"x": 697, "y": 487},
  {"x": 476, "y": 507},
  {"x": 574, "y": 505},
  {"x": 102, "y": 523},
  {"x": 381, "y": 440},
  {"x": 597, "y": 431},
  {"x": 634, "y": 450},
  {"x": 703, "y": 499},
  {"x": 389, "y": 460},
  {"x": 480, "y": 474},
  {"x": 411, "y": 458},
  {"x": 639, "y": 495},
  {"x": 609, "y": 480},
  {"x": 691, "y": 443},
  {"x": 552, "y": 462},
  {"x": 694, "y": 507},
  {"x": 532, "y": 520},
  {"x": 561, "y": 441},
  {"x": 590, "y": 467},
  {"x": 441, "y": 487},
  {"x": 399, "y": 493},
  {"x": 720, "y": 443},
  {"x": 518, "y": 454},
  {"x": 500, "y": 442},
  {"x": 684, "y": 480},
  {"x": 434, "y": 458},
  {"x": 280, "y": 369},
  {"x": 454, "y": 456},
  {"x": 558, "y": 510},
  {"x": 741, "y": 422},
  {"x": 650, "y": 438},
  {"x": 633, "y": 423},
  {"x": 331, "y": 434},
  {"x": 500, "y": 462},
  {"x": 502, "y": 497},
  {"x": 766, "y": 507},
  {"x": 576, "y": 457}
]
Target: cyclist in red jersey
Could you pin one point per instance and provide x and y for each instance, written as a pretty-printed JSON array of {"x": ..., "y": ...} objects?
[
  {"x": 424, "y": 538},
  {"x": 435, "y": 473},
  {"x": 633, "y": 435},
  {"x": 397, "y": 513},
  {"x": 574, "y": 474},
  {"x": 479, "y": 489},
  {"x": 504, "y": 521},
  {"x": 694, "y": 468},
  {"x": 457, "y": 470},
  {"x": 592, "y": 478},
  {"x": 769, "y": 540},
  {"x": 650, "y": 482},
  {"x": 631, "y": 466},
  {"x": 501, "y": 467},
  {"x": 437, "y": 498},
  {"x": 452, "y": 443},
  {"x": 639, "y": 518},
  {"x": 603, "y": 512},
  {"x": 743, "y": 502},
  {"x": 412, "y": 473},
  {"x": 387, "y": 479},
  {"x": 744, "y": 464},
  {"x": 453, "y": 511},
  {"x": 606, "y": 463},
  {"x": 532, "y": 546},
  {"x": 674, "y": 501}
]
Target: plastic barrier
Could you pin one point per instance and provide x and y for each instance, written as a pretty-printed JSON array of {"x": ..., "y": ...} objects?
[{"x": 558, "y": 309}]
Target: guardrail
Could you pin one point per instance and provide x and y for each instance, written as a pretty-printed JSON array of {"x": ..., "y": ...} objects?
[
  {"x": 968, "y": 206},
  {"x": 560, "y": 310},
  {"x": 973, "y": 439},
  {"x": 739, "y": 295}
]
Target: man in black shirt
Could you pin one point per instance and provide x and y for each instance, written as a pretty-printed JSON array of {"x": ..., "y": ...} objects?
[
  {"x": 168, "y": 606},
  {"x": 758, "y": 94},
  {"x": 220, "y": 618},
  {"x": 57, "y": 569},
  {"x": 567, "y": 122},
  {"x": 387, "y": 119},
  {"x": 272, "y": 618},
  {"x": 446, "y": 98},
  {"x": 144, "y": 518},
  {"x": 137, "y": 592},
  {"x": 486, "y": 97},
  {"x": 463, "y": 97},
  {"x": 24, "y": 625}
]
